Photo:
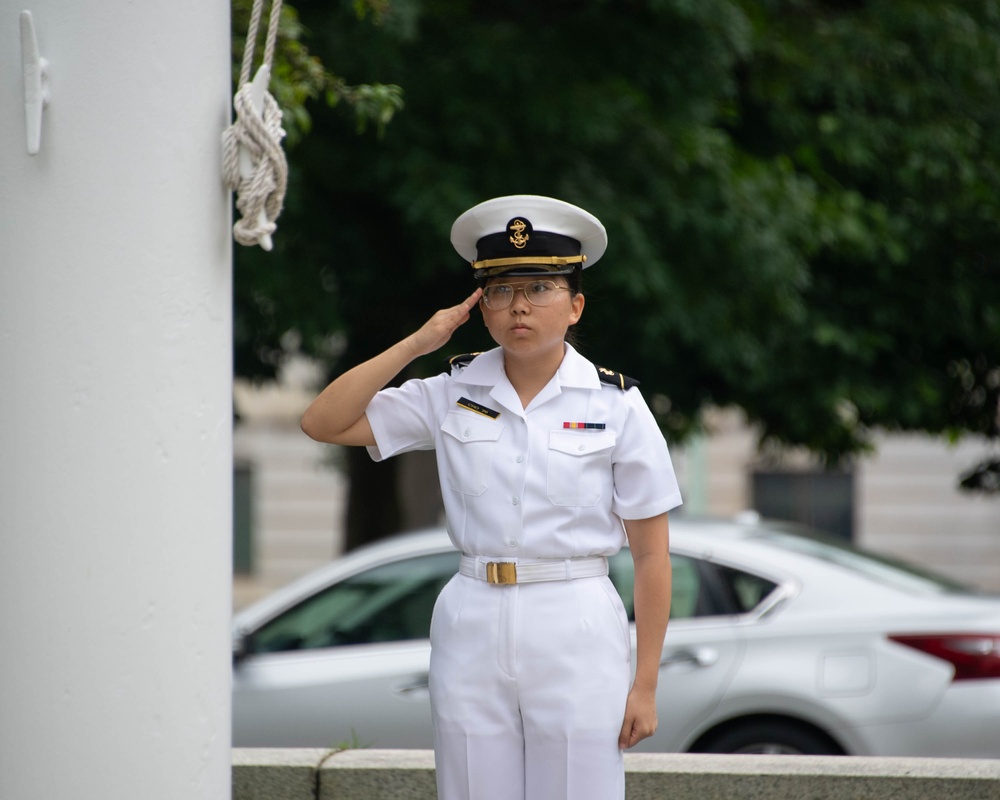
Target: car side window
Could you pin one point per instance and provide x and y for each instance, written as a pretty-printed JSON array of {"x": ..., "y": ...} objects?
[
  {"x": 746, "y": 590},
  {"x": 700, "y": 588},
  {"x": 687, "y": 584},
  {"x": 389, "y": 603}
]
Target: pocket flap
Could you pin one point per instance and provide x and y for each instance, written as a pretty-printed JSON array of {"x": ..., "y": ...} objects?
[
  {"x": 581, "y": 442},
  {"x": 469, "y": 427}
]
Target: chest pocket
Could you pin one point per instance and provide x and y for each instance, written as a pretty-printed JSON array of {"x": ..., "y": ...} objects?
[
  {"x": 579, "y": 468},
  {"x": 468, "y": 446}
]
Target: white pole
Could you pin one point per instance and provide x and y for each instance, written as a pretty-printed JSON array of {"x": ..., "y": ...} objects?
[{"x": 115, "y": 405}]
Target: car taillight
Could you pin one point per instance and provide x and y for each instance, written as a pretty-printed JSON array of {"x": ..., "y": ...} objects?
[{"x": 974, "y": 655}]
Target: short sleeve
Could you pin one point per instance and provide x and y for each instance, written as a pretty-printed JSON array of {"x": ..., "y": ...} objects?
[
  {"x": 403, "y": 418},
  {"x": 645, "y": 483}
]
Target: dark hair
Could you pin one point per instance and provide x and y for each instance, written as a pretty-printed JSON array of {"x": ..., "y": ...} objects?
[{"x": 575, "y": 281}]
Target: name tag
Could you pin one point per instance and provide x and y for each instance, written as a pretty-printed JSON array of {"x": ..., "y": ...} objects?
[{"x": 465, "y": 402}]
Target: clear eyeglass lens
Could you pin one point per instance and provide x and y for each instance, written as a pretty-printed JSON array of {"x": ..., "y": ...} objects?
[{"x": 501, "y": 295}]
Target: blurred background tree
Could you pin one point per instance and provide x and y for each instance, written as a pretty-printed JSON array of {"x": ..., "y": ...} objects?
[{"x": 801, "y": 200}]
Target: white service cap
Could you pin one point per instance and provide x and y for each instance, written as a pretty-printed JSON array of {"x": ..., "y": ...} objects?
[{"x": 524, "y": 234}]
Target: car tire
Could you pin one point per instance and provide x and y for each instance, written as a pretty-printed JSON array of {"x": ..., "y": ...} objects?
[{"x": 770, "y": 737}]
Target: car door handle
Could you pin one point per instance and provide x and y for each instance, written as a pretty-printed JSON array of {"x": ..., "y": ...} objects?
[
  {"x": 698, "y": 657},
  {"x": 417, "y": 688}
]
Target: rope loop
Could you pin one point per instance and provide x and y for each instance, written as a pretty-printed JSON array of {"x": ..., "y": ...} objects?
[{"x": 253, "y": 163}]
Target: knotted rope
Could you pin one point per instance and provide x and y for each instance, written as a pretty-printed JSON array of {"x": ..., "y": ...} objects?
[{"x": 262, "y": 177}]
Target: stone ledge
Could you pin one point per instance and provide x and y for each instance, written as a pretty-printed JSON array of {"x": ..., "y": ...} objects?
[
  {"x": 713, "y": 777},
  {"x": 276, "y": 773},
  {"x": 382, "y": 774},
  {"x": 317, "y": 774}
]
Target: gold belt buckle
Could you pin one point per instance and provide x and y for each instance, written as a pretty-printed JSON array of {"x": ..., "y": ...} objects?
[{"x": 501, "y": 572}]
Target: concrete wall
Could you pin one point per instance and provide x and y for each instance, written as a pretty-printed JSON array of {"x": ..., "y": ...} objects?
[
  {"x": 907, "y": 503},
  {"x": 409, "y": 775},
  {"x": 297, "y": 505},
  {"x": 909, "y": 506}
]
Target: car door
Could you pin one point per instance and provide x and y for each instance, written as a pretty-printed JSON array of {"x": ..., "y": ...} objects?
[
  {"x": 701, "y": 652},
  {"x": 346, "y": 666}
]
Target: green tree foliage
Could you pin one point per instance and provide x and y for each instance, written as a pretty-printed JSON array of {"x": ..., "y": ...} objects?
[
  {"x": 298, "y": 76},
  {"x": 801, "y": 199},
  {"x": 265, "y": 311},
  {"x": 890, "y": 110}
]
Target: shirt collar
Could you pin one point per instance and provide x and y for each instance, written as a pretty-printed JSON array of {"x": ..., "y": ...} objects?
[
  {"x": 575, "y": 371},
  {"x": 486, "y": 369}
]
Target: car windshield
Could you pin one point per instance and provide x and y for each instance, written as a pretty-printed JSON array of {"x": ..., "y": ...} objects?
[
  {"x": 877, "y": 567},
  {"x": 391, "y": 602}
]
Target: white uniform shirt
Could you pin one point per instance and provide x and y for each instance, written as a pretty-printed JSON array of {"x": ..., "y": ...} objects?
[{"x": 515, "y": 482}]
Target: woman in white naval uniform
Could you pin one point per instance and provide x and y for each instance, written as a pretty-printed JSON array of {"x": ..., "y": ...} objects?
[{"x": 546, "y": 463}]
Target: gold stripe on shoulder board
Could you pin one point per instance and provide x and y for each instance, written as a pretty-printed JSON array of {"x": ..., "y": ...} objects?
[
  {"x": 462, "y": 360},
  {"x": 609, "y": 376}
]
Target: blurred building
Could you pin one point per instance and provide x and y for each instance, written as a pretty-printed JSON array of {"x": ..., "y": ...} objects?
[{"x": 901, "y": 501}]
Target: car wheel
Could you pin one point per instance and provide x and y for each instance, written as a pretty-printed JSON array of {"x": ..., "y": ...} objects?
[{"x": 770, "y": 737}]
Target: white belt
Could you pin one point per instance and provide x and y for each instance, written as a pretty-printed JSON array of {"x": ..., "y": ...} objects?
[{"x": 555, "y": 569}]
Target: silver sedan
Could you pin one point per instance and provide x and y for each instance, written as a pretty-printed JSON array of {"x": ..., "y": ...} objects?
[{"x": 780, "y": 641}]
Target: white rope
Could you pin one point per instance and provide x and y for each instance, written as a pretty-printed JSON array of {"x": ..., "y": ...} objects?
[{"x": 253, "y": 163}]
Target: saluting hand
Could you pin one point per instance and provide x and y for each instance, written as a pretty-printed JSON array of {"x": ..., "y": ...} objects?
[{"x": 439, "y": 328}]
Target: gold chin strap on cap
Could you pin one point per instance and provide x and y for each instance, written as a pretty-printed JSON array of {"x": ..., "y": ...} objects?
[{"x": 493, "y": 265}]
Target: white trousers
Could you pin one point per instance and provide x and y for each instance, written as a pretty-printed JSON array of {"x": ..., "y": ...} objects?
[{"x": 528, "y": 685}]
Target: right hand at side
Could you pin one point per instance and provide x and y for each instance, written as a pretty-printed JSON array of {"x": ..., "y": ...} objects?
[{"x": 438, "y": 329}]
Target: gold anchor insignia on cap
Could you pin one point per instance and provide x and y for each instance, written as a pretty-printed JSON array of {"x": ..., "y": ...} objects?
[{"x": 518, "y": 239}]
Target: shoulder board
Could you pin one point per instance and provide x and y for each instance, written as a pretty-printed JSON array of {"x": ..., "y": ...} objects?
[
  {"x": 609, "y": 376},
  {"x": 457, "y": 362}
]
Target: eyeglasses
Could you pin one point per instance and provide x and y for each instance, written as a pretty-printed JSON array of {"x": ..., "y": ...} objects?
[{"x": 498, "y": 296}]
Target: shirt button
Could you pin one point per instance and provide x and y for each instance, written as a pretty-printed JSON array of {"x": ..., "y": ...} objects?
[
  {"x": 519, "y": 459},
  {"x": 514, "y": 501},
  {"x": 465, "y": 433},
  {"x": 580, "y": 448},
  {"x": 512, "y": 543}
]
